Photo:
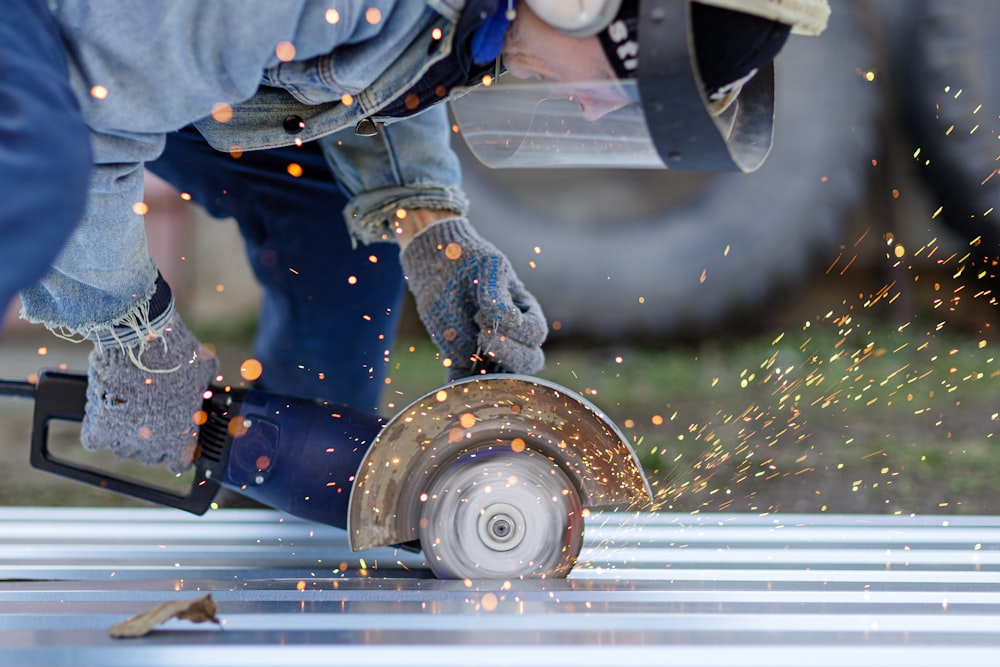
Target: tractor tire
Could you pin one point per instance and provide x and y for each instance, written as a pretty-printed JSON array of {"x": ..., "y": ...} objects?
[{"x": 944, "y": 57}]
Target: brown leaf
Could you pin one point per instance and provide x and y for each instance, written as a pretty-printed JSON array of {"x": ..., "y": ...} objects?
[{"x": 197, "y": 611}]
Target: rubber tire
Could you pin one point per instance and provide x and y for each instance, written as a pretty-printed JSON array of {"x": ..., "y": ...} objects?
[
  {"x": 942, "y": 48},
  {"x": 713, "y": 247}
]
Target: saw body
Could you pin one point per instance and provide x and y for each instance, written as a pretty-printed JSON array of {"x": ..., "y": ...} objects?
[{"x": 490, "y": 476}]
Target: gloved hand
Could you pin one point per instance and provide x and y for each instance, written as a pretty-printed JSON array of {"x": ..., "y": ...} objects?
[
  {"x": 471, "y": 301},
  {"x": 141, "y": 400}
]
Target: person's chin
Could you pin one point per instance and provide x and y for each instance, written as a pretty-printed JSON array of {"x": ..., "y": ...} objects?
[
  {"x": 593, "y": 109},
  {"x": 516, "y": 68}
]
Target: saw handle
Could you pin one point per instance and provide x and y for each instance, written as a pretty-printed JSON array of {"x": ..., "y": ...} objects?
[
  {"x": 62, "y": 396},
  {"x": 482, "y": 365}
]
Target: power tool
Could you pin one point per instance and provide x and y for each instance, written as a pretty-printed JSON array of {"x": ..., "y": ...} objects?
[{"x": 490, "y": 476}]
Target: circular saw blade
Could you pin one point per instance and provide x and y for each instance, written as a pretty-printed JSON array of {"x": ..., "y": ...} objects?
[
  {"x": 500, "y": 515},
  {"x": 502, "y": 413}
]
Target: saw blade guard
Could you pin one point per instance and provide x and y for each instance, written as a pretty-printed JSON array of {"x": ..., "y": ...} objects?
[{"x": 503, "y": 414}]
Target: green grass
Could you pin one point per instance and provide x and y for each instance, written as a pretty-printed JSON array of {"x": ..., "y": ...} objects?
[
  {"x": 848, "y": 413},
  {"x": 841, "y": 415}
]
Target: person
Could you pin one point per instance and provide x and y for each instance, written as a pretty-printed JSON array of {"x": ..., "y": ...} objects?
[
  {"x": 324, "y": 329},
  {"x": 261, "y": 76},
  {"x": 44, "y": 151}
]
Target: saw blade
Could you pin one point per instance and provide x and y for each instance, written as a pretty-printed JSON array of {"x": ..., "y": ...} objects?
[{"x": 500, "y": 515}]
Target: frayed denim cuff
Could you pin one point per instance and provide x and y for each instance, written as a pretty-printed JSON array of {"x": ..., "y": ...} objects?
[
  {"x": 371, "y": 216},
  {"x": 143, "y": 323}
]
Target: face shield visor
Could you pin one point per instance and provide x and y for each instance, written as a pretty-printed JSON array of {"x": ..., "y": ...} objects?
[{"x": 661, "y": 117}]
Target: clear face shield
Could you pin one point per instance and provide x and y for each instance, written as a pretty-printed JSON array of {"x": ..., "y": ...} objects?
[{"x": 660, "y": 119}]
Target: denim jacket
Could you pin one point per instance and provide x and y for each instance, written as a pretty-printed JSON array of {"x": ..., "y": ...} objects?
[{"x": 251, "y": 75}]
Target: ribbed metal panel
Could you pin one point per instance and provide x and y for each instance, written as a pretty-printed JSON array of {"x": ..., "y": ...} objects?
[{"x": 653, "y": 590}]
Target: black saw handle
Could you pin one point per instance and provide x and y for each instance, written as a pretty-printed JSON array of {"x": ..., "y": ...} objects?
[
  {"x": 62, "y": 396},
  {"x": 485, "y": 366}
]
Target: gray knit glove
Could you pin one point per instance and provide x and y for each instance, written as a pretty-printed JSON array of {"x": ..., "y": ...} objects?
[
  {"x": 141, "y": 399},
  {"x": 471, "y": 302}
]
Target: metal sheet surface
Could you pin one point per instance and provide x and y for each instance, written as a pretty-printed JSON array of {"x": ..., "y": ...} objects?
[{"x": 651, "y": 590}]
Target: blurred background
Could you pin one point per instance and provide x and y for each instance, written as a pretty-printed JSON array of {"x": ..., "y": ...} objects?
[{"x": 819, "y": 336}]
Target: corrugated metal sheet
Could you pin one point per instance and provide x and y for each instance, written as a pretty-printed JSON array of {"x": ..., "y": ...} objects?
[{"x": 652, "y": 590}]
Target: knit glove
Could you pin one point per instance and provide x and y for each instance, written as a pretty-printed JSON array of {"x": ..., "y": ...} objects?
[
  {"x": 471, "y": 301},
  {"x": 142, "y": 399}
]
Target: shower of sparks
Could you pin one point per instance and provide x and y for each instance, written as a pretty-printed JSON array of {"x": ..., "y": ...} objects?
[
  {"x": 811, "y": 397},
  {"x": 880, "y": 401}
]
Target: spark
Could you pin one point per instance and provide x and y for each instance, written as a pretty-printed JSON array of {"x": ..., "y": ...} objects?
[
  {"x": 222, "y": 112},
  {"x": 285, "y": 51},
  {"x": 251, "y": 370},
  {"x": 453, "y": 251}
]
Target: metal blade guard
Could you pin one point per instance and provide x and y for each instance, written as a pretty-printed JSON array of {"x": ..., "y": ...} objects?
[{"x": 490, "y": 459}]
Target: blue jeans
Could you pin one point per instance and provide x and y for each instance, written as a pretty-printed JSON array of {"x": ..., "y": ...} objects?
[
  {"x": 142, "y": 69},
  {"x": 44, "y": 146},
  {"x": 329, "y": 312}
]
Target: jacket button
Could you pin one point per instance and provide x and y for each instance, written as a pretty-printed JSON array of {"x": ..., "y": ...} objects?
[{"x": 294, "y": 125}]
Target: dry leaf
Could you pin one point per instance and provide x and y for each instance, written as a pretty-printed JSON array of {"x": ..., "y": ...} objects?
[{"x": 197, "y": 611}]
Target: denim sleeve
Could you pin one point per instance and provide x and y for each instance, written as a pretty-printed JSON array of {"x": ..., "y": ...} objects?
[
  {"x": 104, "y": 274},
  {"x": 409, "y": 164},
  {"x": 163, "y": 64}
]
